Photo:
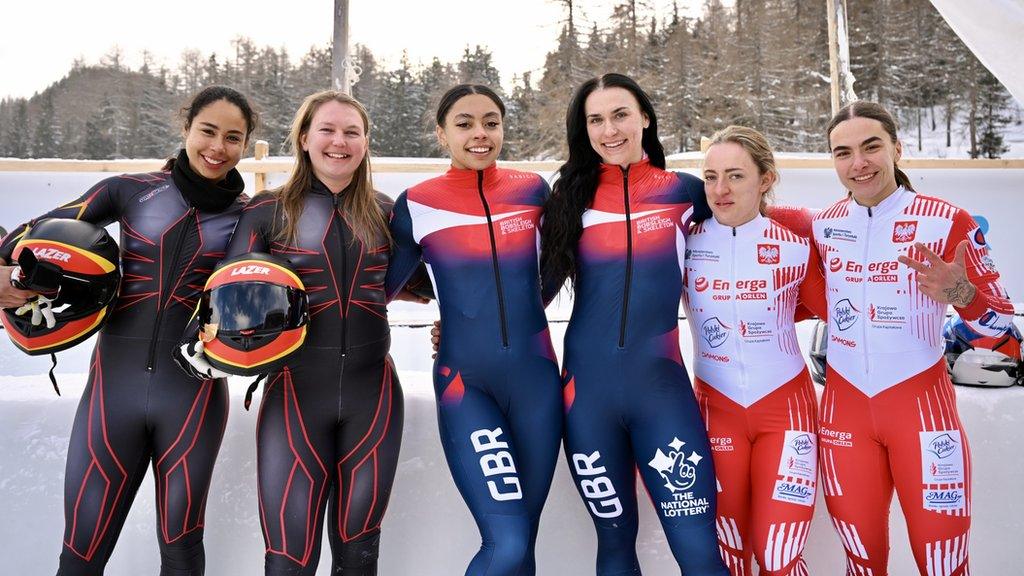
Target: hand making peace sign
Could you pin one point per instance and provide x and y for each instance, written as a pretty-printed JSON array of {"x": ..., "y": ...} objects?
[{"x": 945, "y": 282}]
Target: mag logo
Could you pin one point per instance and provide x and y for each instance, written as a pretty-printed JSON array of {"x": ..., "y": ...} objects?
[
  {"x": 904, "y": 231},
  {"x": 767, "y": 253},
  {"x": 845, "y": 314}
]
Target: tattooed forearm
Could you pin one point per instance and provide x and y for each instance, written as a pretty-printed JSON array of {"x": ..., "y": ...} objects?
[{"x": 961, "y": 294}]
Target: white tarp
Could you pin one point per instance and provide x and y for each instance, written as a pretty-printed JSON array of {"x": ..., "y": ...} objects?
[{"x": 994, "y": 31}]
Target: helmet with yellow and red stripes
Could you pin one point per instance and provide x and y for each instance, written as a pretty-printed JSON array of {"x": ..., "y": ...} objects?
[
  {"x": 73, "y": 265},
  {"x": 253, "y": 314}
]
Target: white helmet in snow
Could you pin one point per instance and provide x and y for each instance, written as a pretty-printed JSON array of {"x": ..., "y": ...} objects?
[{"x": 976, "y": 360}]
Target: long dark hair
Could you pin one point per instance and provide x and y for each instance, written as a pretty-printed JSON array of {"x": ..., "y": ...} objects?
[
  {"x": 577, "y": 180},
  {"x": 208, "y": 96},
  {"x": 874, "y": 111}
]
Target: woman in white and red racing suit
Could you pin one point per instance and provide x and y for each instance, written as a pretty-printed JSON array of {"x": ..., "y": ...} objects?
[{"x": 894, "y": 260}]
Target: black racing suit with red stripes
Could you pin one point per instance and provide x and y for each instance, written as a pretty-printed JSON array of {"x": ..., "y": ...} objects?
[
  {"x": 138, "y": 407},
  {"x": 330, "y": 424}
]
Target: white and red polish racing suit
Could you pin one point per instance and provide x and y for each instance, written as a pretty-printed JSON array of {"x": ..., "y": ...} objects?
[
  {"x": 742, "y": 289},
  {"x": 888, "y": 415}
]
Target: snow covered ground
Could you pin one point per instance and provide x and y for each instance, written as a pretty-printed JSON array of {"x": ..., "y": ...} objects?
[{"x": 428, "y": 530}]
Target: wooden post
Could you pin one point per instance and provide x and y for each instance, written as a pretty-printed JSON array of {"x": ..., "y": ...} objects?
[
  {"x": 262, "y": 151},
  {"x": 339, "y": 63},
  {"x": 839, "y": 55}
]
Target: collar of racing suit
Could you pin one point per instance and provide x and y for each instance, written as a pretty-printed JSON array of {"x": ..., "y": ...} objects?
[
  {"x": 753, "y": 228},
  {"x": 320, "y": 188},
  {"x": 204, "y": 195},
  {"x": 611, "y": 174},
  {"x": 892, "y": 204},
  {"x": 467, "y": 177}
]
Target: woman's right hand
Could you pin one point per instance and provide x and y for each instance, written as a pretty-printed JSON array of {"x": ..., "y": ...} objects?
[
  {"x": 435, "y": 337},
  {"x": 10, "y": 295}
]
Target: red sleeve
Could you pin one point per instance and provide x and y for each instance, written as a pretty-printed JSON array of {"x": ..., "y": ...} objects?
[
  {"x": 796, "y": 219},
  {"x": 812, "y": 299},
  {"x": 990, "y": 313}
]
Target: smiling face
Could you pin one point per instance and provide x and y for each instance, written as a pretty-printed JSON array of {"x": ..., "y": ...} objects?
[
  {"x": 733, "y": 184},
  {"x": 336, "y": 143},
  {"x": 615, "y": 125},
  {"x": 865, "y": 157},
  {"x": 472, "y": 132},
  {"x": 215, "y": 140}
]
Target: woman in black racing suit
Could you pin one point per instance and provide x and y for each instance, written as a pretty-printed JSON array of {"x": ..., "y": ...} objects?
[
  {"x": 137, "y": 406},
  {"x": 330, "y": 424}
]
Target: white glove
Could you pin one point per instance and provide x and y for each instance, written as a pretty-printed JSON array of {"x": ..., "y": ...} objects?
[
  {"x": 195, "y": 356},
  {"x": 41, "y": 308}
]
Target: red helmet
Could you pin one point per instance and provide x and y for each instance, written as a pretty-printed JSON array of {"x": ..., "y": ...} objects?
[
  {"x": 75, "y": 264},
  {"x": 253, "y": 314}
]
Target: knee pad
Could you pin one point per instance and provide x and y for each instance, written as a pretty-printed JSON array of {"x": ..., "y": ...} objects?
[
  {"x": 357, "y": 557},
  {"x": 185, "y": 557}
]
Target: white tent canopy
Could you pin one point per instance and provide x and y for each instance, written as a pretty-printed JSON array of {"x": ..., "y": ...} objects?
[{"x": 994, "y": 31}]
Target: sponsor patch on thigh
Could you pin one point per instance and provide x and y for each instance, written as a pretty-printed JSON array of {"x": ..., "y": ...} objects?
[
  {"x": 793, "y": 492},
  {"x": 942, "y": 457},
  {"x": 950, "y": 499},
  {"x": 799, "y": 455}
]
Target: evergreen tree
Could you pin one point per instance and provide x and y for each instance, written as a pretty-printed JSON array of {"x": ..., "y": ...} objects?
[
  {"x": 16, "y": 143},
  {"x": 46, "y": 143},
  {"x": 476, "y": 67},
  {"x": 993, "y": 105},
  {"x": 153, "y": 137},
  {"x": 100, "y": 141},
  {"x": 398, "y": 130}
]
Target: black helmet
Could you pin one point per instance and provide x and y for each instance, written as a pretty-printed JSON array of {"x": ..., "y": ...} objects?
[
  {"x": 73, "y": 263},
  {"x": 253, "y": 314}
]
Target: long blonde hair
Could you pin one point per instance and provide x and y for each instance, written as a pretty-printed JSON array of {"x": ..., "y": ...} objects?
[
  {"x": 760, "y": 152},
  {"x": 359, "y": 199}
]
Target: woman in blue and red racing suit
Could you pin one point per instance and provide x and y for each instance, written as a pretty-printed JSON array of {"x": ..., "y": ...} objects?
[
  {"x": 616, "y": 226},
  {"x": 495, "y": 377},
  {"x": 137, "y": 407}
]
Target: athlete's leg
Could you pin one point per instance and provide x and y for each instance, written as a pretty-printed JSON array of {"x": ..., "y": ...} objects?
[
  {"x": 673, "y": 455},
  {"x": 294, "y": 445},
  {"x": 483, "y": 459},
  {"x": 855, "y": 477},
  {"x": 534, "y": 399},
  {"x": 784, "y": 475},
  {"x": 730, "y": 448},
  {"x": 931, "y": 465},
  {"x": 187, "y": 418},
  {"x": 368, "y": 442},
  {"x": 107, "y": 459},
  {"x": 603, "y": 469}
]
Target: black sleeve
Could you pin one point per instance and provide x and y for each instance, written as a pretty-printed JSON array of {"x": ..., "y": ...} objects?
[{"x": 100, "y": 205}]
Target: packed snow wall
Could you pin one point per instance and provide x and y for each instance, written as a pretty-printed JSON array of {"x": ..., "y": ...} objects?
[{"x": 428, "y": 531}]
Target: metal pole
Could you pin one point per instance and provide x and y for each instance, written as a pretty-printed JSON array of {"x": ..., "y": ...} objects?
[
  {"x": 839, "y": 55},
  {"x": 339, "y": 63}
]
